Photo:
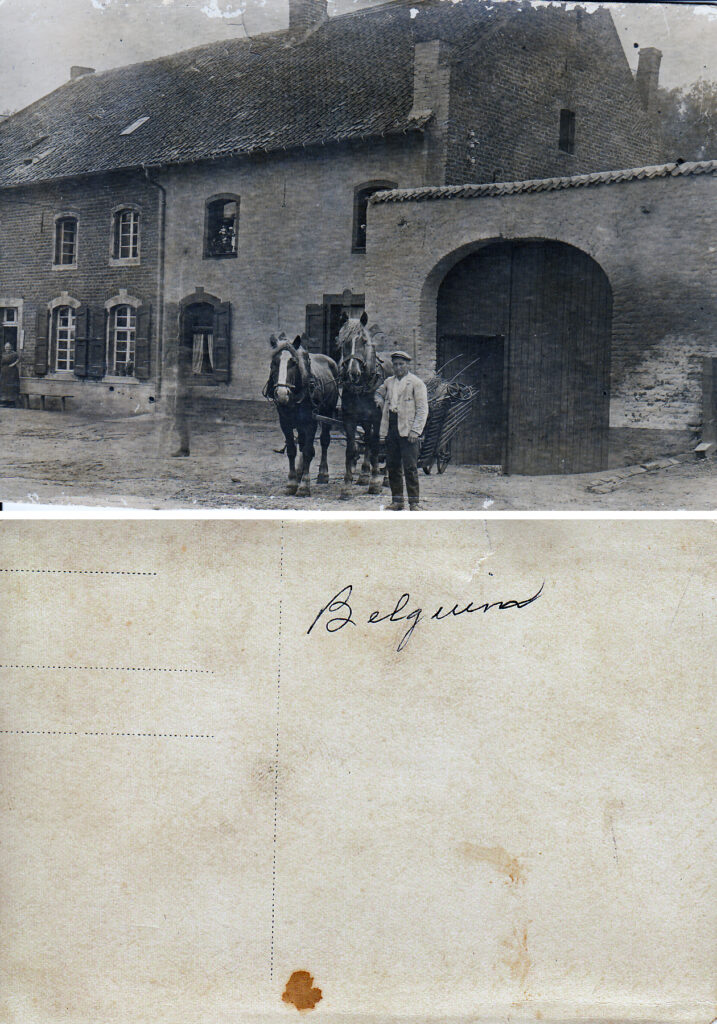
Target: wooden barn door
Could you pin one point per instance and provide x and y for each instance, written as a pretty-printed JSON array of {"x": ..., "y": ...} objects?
[
  {"x": 478, "y": 360},
  {"x": 560, "y": 329}
]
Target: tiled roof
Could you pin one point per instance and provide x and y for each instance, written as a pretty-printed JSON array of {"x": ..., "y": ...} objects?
[
  {"x": 509, "y": 188},
  {"x": 352, "y": 77}
]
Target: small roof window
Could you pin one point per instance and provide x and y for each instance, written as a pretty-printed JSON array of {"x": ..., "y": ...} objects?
[{"x": 134, "y": 126}]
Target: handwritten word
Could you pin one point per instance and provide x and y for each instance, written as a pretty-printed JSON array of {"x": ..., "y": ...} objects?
[{"x": 338, "y": 612}]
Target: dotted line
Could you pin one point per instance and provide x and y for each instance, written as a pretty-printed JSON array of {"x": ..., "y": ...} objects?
[
  {"x": 113, "y": 668},
  {"x": 86, "y": 572},
  {"x": 276, "y": 759},
  {"x": 144, "y": 735}
]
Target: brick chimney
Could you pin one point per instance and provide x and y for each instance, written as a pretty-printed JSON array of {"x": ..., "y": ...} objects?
[
  {"x": 647, "y": 77},
  {"x": 431, "y": 95},
  {"x": 76, "y": 71},
  {"x": 305, "y": 15}
]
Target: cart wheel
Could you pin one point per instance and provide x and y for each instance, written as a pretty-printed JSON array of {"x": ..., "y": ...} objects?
[{"x": 443, "y": 458}]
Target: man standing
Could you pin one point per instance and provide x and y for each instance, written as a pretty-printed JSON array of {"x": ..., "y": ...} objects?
[{"x": 405, "y": 411}]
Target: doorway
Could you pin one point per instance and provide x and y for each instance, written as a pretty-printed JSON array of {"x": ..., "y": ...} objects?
[{"x": 551, "y": 304}]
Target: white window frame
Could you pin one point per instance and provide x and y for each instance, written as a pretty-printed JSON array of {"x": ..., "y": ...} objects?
[
  {"x": 7, "y": 302},
  {"x": 69, "y": 339},
  {"x": 117, "y": 212},
  {"x": 62, "y": 300},
  {"x": 121, "y": 299},
  {"x": 65, "y": 215}
]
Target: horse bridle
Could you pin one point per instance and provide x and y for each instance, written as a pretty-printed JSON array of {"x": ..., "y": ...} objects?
[{"x": 297, "y": 391}]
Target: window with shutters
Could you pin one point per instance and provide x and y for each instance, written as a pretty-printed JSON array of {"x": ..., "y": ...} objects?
[
  {"x": 121, "y": 341},
  {"x": 566, "y": 141},
  {"x": 221, "y": 227},
  {"x": 63, "y": 337},
  {"x": 204, "y": 355},
  {"x": 362, "y": 194},
  {"x": 125, "y": 235},
  {"x": 66, "y": 234}
]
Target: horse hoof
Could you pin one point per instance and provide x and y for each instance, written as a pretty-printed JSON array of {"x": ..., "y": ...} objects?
[
  {"x": 322, "y": 478},
  {"x": 303, "y": 491},
  {"x": 363, "y": 480},
  {"x": 291, "y": 488},
  {"x": 375, "y": 488}
]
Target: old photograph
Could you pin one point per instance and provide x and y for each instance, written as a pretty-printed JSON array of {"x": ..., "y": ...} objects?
[{"x": 416, "y": 254}]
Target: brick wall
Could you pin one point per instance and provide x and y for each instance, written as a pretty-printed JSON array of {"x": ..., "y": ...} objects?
[
  {"x": 507, "y": 94},
  {"x": 27, "y": 227},
  {"x": 654, "y": 238},
  {"x": 294, "y": 241}
]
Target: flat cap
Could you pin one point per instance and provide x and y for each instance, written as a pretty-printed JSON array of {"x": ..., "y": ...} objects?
[{"x": 401, "y": 355}]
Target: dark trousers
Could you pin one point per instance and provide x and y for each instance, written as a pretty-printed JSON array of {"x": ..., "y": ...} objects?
[{"x": 401, "y": 461}]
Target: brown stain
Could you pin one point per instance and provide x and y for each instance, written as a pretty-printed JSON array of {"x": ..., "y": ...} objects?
[
  {"x": 299, "y": 991},
  {"x": 498, "y": 858},
  {"x": 518, "y": 960}
]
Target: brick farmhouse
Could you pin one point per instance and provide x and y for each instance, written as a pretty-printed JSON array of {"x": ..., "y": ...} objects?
[{"x": 197, "y": 203}]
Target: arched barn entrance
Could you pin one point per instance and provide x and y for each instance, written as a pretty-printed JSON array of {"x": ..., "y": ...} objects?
[{"x": 530, "y": 324}]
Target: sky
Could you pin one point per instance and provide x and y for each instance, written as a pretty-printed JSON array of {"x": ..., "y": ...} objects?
[{"x": 41, "y": 39}]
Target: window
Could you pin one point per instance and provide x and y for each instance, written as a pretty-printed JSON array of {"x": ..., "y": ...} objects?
[
  {"x": 66, "y": 242},
  {"x": 567, "y": 131},
  {"x": 122, "y": 340},
  {"x": 125, "y": 235},
  {"x": 222, "y": 225},
  {"x": 131, "y": 128},
  {"x": 8, "y": 326},
  {"x": 361, "y": 197},
  {"x": 64, "y": 337}
]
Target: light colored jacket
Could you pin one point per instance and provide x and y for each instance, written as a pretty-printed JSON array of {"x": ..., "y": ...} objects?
[{"x": 412, "y": 404}]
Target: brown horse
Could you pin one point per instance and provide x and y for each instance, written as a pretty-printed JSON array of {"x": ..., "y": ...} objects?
[
  {"x": 362, "y": 371},
  {"x": 299, "y": 385}
]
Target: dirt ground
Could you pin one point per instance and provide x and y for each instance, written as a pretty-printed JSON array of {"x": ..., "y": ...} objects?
[{"x": 68, "y": 459}]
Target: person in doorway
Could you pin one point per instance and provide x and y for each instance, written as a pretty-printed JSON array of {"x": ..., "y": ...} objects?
[
  {"x": 405, "y": 411},
  {"x": 9, "y": 376}
]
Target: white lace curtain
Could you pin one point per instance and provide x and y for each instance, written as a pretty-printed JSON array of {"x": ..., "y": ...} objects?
[{"x": 199, "y": 348}]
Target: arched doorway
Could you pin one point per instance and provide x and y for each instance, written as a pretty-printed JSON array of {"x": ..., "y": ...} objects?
[{"x": 529, "y": 323}]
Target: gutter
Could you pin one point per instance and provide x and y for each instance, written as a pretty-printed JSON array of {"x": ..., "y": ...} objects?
[{"x": 160, "y": 275}]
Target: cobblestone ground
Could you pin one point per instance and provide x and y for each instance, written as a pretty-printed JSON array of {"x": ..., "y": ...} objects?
[{"x": 68, "y": 459}]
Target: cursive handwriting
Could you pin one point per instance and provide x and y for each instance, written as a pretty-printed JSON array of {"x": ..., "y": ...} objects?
[{"x": 338, "y": 612}]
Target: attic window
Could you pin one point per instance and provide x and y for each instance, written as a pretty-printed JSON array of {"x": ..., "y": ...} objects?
[{"x": 134, "y": 126}]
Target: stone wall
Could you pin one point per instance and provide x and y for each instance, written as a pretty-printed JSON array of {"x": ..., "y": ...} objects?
[
  {"x": 654, "y": 238},
  {"x": 506, "y": 99},
  {"x": 294, "y": 241},
  {"x": 29, "y": 280}
]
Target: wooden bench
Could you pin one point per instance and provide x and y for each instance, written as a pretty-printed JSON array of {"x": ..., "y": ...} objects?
[
  {"x": 42, "y": 396},
  {"x": 32, "y": 387}
]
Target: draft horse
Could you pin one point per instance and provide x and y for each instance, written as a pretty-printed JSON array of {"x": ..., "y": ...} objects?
[
  {"x": 299, "y": 385},
  {"x": 362, "y": 371}
]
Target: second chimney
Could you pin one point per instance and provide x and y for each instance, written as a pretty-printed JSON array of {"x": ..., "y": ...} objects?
[
  {"x": 305, "y": 15},
  {"x": 647, "y": 77}
]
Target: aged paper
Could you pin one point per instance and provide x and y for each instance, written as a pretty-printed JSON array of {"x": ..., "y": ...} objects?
[{"x": 437, "y": 771}]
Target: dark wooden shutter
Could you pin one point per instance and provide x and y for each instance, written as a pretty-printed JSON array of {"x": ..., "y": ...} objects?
[
  {"x": 142, "y": 345},
  {"x": 222, "y": 341},
  {"x": 97, "y": 346},
  {"x": 315, "y": 330},
  {"x": 41, "y": 342},
  {"x": 83, "y": 322}
]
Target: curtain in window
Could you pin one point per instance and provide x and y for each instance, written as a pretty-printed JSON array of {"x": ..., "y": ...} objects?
[{"x": 197, "y": 352}]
